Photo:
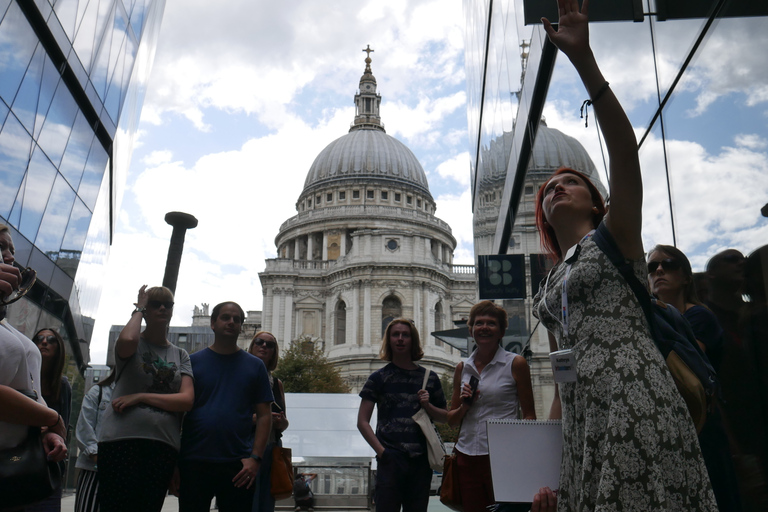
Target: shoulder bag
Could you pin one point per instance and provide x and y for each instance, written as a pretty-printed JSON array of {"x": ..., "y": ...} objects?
[
  {"x": 26, "y": 474},
  {"x": 282, "y": 473},
  {"x": 691, "y": 370},
  {"x": 435, "y": 447}
]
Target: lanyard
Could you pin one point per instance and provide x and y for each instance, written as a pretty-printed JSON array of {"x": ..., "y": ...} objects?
[{"x": 570, "y": 257}]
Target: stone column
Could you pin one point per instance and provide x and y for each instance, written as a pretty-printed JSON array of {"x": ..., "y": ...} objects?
[
  {"x": 288, "y": 317},
  {"x": 343, "y": 244},
  {"x": 275, "y": 310},
  {"x": 296, "y": 248},
  {"x": 310, "y": 244},
  {"x": 367, "y": 313},
  {"x": 267, "y": 314},
  {"x": 325, "y": 246}
]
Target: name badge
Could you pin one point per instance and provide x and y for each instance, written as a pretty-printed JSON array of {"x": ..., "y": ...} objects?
[{"x": 563, "y": 365}]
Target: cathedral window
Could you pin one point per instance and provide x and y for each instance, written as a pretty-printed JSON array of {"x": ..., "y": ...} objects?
[
  {"x": 341, "y": 324},
  {"x": 355, "y": 194},
  {"x": 329, "y": 197},
  {"x": 342, "y": 195},
  {"x": 384, "y": 195},
  {"x": 418, "y": 203},
  {"x": 369, "y": 194},
  {"x": 390, "y": 309},
  {"x": 438, "y": 321},
  {"x": 309, "y": 203},
  {"x": 317, "y": 200},
  {"x": 397, "y": 197},
  {"x": 409, "y": 199}
]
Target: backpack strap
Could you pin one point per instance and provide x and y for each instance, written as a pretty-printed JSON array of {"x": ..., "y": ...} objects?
[{"x": 605, "y": 241}]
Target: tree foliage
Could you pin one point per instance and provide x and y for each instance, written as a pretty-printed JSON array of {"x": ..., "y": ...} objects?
[
  {"x": 303, "y": 368},
  {"x": 447, "y": 434}
]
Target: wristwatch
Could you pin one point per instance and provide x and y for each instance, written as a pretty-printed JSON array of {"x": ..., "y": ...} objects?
[
  {"x": 139, "y": 310},
  {"x": 255, "y": 457}
]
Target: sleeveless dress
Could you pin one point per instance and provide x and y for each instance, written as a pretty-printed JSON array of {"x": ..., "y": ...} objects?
[{"x": 628, "y": 441}]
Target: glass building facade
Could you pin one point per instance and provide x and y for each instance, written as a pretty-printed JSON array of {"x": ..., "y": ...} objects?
[
  {"x": 72, "y": 79},
  {"x": 691, "y": 76}
]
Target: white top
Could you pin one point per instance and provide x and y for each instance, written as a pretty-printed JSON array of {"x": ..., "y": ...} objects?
[
  {"x": 20, "y": 362},
  {"x": 496, "y": 399}
]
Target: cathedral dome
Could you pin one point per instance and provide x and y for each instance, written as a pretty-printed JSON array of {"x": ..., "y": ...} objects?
[
  {"x": 554, "y": 149},
  {"x": 368, "y": 154}
]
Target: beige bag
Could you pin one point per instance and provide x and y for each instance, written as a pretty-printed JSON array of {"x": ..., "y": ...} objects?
[{"x": 435, "y": 447}]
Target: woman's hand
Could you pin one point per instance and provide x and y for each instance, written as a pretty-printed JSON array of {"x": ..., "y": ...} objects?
[
  {"x": 544, "y": 501},
  {"x": 423, "y": 397},
  {"x": 54, "y": 446},
  {"x": 466, "y": 394},
  {"x": 278, "y": 421},
  {"x": 141, "y": 301},
  {"x": 572, "y": 35},
  {"x": 10, "y": 277},
  {"x": 122, "y": 403}
]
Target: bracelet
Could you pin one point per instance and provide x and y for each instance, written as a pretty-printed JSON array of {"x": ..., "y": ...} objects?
[
  {"x": 58, "y": 418},
  {"x": 600, "y": 92}
]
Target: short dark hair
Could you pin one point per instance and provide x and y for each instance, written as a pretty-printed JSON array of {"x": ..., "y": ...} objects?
[
  {"x": 217, "y": 310},
  {"x": 488, "y": 308},
  {"x": 386, "y": 350}
]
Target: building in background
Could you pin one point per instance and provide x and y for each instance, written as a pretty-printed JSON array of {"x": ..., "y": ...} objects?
[
  {"x": 72, "y": 82},
  {"x": 365, "y": 247}
]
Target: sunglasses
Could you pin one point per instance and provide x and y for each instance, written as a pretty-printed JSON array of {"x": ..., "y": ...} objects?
[
  {"x": 28, "y": 278},
  {"x": 51, "y": 339},
  {"x": 155, "y": 304},
  {"x": 269, "y": 344},
  {"x": 668, "y": 265}
]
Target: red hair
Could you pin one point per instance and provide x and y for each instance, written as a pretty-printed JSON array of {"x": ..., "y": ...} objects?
[{"x": 546, "y": 231}]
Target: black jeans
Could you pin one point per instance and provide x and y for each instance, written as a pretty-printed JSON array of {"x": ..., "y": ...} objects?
[
  {"x": 201, "y": 481},
  {"x": 402, "y": 481}
]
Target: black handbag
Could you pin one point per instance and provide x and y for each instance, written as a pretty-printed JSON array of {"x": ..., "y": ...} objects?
[{"x": 26, "y": 474}]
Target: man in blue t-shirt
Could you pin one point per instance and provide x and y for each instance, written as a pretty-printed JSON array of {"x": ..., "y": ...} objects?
[{"x": 220, "y": 456}]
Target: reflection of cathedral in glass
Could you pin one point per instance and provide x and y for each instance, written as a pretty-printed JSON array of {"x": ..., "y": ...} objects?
[
  {"x": 365, "y": 247},
  {"x": 72, "y": 80}
]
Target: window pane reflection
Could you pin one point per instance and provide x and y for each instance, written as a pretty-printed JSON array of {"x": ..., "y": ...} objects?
[
  {"x": 73, "y": 163},
  {"x": 93, "y": 175},
  {"x": 33, "y": 196},
  {"x": 15, "y": 146},
  {"x": 56, "y": 217},
  {"x": 58, "y": 124},
  {"x": 17, "y": 45}
]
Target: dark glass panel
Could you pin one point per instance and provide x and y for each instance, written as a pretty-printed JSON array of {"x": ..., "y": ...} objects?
[
  {"x": 58, "y": 124},
  {"x": 66, "y": 11},
  {"x": 74, "y": 238},
  {"x": 92, "y": 177},
  {"x": 17, "y": 45},
  {"x": 76, "y": 154},
  {"x": 26, "y": 102},
  {"x": 34, "y": 193},
  {"x": 15, "y": 148},
  {"x": 56, "y": 218}
]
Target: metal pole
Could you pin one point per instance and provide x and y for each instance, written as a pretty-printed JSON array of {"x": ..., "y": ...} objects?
[{"x": 181, "y": 222}]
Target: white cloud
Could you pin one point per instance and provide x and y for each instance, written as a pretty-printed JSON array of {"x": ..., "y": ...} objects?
[
  {"x": 456, "y": 210},
  {"x": 456, "y": 169},
  {"x": 156, "y": 158}
]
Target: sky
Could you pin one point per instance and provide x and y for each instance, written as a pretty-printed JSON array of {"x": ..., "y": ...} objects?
[{"x": 244, "y": 95}]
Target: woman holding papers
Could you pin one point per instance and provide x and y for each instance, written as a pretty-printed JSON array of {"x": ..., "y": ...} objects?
[
  {"x": 628, "y": 441},
  {"x": 491, "y": 384}
]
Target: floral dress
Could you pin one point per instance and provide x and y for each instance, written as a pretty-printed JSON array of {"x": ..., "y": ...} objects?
[{"x": 628, "y": 441}]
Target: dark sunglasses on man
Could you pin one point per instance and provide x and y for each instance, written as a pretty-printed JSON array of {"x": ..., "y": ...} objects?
[{"x": 668, "y": 265}]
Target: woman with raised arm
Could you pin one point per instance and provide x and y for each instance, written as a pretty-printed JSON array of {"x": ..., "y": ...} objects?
[
  {"x": 628, "y": 441},
  {"x": 141, "y": 431}
]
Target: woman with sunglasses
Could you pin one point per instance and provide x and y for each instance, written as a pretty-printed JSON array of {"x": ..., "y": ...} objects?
[
  {"x": 264, "y": 346},
  {"x": 140, "y": 435},
  {"x": 671, "y": 279},
  {"x": 57, "y": 393},
  {"x": 628, "y": 441}
]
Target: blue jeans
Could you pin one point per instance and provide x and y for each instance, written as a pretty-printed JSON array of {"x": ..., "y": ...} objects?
[{"x": 262, "y": 497}]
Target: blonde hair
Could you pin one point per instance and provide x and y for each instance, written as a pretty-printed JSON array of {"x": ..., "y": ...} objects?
[{"x": 275, "y": 356}]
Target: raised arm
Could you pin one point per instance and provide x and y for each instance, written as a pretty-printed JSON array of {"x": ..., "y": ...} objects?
[
  {"x": 128, "y": 340},
  {"x": 624, "y": 219}
]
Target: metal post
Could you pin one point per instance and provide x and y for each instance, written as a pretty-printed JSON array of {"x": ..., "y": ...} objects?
[{"x": 181, "y": 222}]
